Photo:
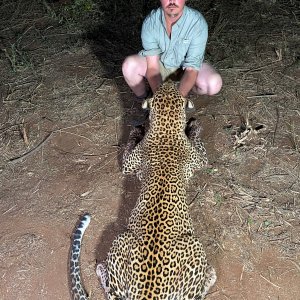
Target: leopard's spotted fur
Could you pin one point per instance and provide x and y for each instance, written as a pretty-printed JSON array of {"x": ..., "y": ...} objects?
[
  {"x": 77, "y": 289},
  {"x": 158, "y": 257}
]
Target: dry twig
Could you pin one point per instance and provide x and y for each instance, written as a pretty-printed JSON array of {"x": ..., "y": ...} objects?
[{"x": 31, "y": 151}]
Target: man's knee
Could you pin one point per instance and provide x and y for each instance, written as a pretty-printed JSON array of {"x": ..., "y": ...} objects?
[
  {"x": 128, "y": 65},
  {"x": 214, "y": 84},
  {"x": 131, "y": 65}
]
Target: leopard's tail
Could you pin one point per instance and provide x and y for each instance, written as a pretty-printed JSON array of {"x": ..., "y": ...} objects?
[{"x": 77, "y": 289}]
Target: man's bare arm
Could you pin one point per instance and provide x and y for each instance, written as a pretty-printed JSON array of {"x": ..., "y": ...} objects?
[
  {"x": 188, "y": 81},
  {"x": 153, "y": 73}
]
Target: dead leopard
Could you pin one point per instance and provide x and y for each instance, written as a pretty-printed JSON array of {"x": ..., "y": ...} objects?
[{"x": 158, "y": 256}]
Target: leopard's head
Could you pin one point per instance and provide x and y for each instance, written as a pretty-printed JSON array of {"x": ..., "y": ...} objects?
[{"x": 168, "y": 106}]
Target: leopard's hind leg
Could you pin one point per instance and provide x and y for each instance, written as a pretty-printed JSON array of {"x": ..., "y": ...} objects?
[
  {"x": 195, "y": 271},
  {"x": 116, "y": 271}
]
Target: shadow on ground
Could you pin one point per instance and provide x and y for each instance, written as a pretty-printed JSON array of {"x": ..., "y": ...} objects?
[{"x": 117, "y": 37}]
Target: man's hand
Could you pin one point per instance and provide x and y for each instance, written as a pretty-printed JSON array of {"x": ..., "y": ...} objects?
[
  {"x": 188, "y": 81},
  {"x": 153, "y": 73}
]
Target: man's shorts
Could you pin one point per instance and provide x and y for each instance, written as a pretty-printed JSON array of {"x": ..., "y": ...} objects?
[{"x": 174, "y": 74}]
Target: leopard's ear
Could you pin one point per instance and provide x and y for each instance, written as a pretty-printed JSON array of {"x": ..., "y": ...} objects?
[
  {"x": 189, "y": 105},
  {"x": 146, "y": 103}
]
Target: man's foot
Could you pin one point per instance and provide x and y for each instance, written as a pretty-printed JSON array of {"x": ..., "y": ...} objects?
[{"x": 147, "y": 94}]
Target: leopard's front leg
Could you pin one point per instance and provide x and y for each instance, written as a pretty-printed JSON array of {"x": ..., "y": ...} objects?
[
  {"x": 132, "y": 156},
  {"x": 193, "y": 130}
]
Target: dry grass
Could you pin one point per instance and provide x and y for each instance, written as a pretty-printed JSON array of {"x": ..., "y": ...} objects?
[
  {"x": 65, "y": 110},
  {"x": 258, "y": 88}
]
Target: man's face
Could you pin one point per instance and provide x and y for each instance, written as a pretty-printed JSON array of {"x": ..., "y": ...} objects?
[{"x": 172, "y": 8}]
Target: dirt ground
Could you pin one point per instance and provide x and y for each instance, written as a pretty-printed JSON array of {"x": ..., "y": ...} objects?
[{"x": 65, "y": 114}]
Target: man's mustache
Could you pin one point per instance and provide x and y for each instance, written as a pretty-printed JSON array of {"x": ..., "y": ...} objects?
[{"x": 172, "y": 5}]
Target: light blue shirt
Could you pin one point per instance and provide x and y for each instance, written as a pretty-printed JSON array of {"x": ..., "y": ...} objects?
[{"x": 187, "y": 44}]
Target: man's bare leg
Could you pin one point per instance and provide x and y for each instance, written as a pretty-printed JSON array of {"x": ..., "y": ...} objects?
[
  {"x": 134, "y": 71},
  {"x": 208, "y": 82}
]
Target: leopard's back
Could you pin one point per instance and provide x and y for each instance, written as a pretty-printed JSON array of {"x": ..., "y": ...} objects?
[{"x": 159, "y": 257}]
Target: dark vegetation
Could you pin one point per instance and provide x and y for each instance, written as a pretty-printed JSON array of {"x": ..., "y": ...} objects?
[{"x": 65, "y": 113}]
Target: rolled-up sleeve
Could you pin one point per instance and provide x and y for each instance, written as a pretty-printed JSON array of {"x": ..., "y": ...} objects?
[
  {"x": 195, "y": 54},
  {"x": 149, "y": 40}
]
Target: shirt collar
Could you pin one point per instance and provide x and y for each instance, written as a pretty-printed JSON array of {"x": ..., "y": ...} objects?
[{"x": 179, "y": 22}]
